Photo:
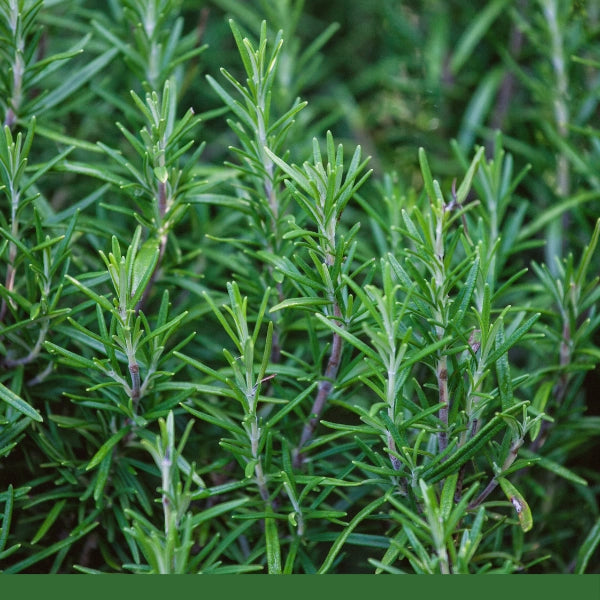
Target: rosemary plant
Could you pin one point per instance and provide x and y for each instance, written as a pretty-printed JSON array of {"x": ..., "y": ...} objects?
[{"x": 283, "y": 295}]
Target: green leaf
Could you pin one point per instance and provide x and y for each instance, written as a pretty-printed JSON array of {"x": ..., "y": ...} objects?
[
  {"x": 7, "y": 516},
  {"x": 391, "y": 554},
  {"x": 91, "y": 171},
  {"x": 249, "y": 468},
  {"x": 553, "y": 467},
  {"x": 305, "y": 303},
  {"x": 144, "y": 264},
  {"x": 272, "y": 544},
  {"x": 471, "y": 36},
  {"x": 447, "y": 497},
  {"x": 352, "y": 339},
  {"x": 513, "y": 338},
  {"x": 54, "y": 548},
  {"x": 465, "y": 186},
  {"x": 10, "y": 550},
  {"x": 162, "y": 174},
  {"x": 71, "y": 84},
  {"x": 102, "y": 477},
  {"x": 587, "y": 256},
  {"x": 101, "y": 300},
  {"x": 551, "y": 214},
  {"x": 427, "y": 178},
  {"x": 215, "y": 511},
  {"x": 463, "y": 299},
  {"x": 49, "y": 520},
  {"x": 343, "y": 537},
  {"x": 587, "y": 549},
  {"x": 112, "y": 441},
  {"x": 19, "y": 404},
  {"x": 518, "y": 501},
  {"x": 70, "y": 357}
]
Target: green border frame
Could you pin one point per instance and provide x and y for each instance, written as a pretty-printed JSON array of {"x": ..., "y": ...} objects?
[{"x": 365, "y": 587}]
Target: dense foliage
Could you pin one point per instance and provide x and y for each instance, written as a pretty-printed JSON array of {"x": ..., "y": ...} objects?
[{"x": 299, "y": 287}]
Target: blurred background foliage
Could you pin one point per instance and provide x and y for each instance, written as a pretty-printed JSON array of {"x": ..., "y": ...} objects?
[{"x": 390, "y": 75}]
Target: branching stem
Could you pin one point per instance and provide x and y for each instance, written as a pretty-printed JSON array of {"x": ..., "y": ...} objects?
[
  {"x": 323, "y": 391},
  {"x": 440, "y": 299},
  {"x": 33, "y": 353},
  {"x": 442, "y": 379},
  {"x": 491, "y": 486}
]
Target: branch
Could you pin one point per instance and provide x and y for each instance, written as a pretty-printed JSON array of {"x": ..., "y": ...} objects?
[{"x": 323, "y": 392}]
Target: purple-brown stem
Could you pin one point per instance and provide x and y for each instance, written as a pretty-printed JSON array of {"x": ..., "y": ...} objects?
[
  {"x": 10, "y": 280},
  {"x": 276, "y": 340},
  {"x": 11, "y": 270},
  {"x": 274, "y": 207},
  {"x": 134, "y": 371},
  {"x": 323, "y": 392},
  {"x": 18, "y": 68},
  {"x": 396, "y": 464},
  {"x": 162, "y": 209},
  {"x": 491, "y": 486},
  {"x": 442, "y": 379}
]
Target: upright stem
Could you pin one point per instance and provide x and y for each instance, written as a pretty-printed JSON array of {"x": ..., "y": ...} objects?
[
  {"x": 440, "y": 299},
  {"x": 274, "y": 210},
  {"x": 134, "y": 371},
  {"x": 166, "y": 485},
  {"x": 12, "y": 248},
  {"x": 163, "y": 205},
  {"x": 444, "y": 562},
  {"x": 391, "y": 402},
  {"x": 442, "y": 379},
  {"x": 135, "y": 390},
  {"x": 255, "y": 432},
  {"x": 273, "y": 203},
  {"x": 323, "y": 391}
]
